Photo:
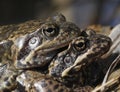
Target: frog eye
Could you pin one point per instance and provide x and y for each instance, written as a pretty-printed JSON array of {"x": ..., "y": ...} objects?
[
  {"x": 33, "y": 42},
  {"x": 79, "y": 45},
  {"x": 50, "y": 31}
]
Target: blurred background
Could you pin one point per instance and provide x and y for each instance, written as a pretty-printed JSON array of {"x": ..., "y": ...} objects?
[{"x": 81, "y": 12}]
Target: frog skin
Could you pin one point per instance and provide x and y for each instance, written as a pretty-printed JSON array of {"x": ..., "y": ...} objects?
[
  {"x": 29, "y": 79},
  {"x": 12, "y": 31},
  {"x": 36, "y": 54},
  {"x": 33, "y": 44},
  {"x": 8, "y": 78},
  {"x": 81, "y": 52},
  {"x": 33, "y": 81},
  {"x": 5, "y": 53}
]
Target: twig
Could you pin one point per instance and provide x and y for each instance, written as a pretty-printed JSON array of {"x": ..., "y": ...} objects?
[{"x": 104, "y": 83}]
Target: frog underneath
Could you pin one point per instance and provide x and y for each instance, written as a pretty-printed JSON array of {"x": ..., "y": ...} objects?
[{"x": 33, "y": 44}]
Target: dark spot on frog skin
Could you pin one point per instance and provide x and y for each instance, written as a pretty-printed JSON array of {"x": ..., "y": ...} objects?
[
  {"x": 14, "y": 76},
  {"x": 50, "y": 82},
  {"x": 43, "y": 84},
  {"x": 6, "y": 90},
  {"x": 28, "y": 63},
  {"x": 5, "y": 79},
  {"x": 8, "y": 84},
  {"x": 90, "y": 55},
  {"x": 61, "y": 90},
  {"x": 12, "y": 80},
  {"x": 56, "y": 86},
  {"x": 49, "y": 90},
  {"x": 88, "y": 32}
]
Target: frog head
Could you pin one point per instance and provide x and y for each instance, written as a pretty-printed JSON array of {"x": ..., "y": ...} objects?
[
  {"x": 81, "y": 51},
  {"x": 36, "y": 49}
]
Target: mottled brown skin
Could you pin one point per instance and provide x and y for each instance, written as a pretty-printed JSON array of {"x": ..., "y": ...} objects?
[
  {"x": 9, "y": 33},
  {"x": 23, "y": 53},
  {"x": 14, "y": 31},
  {"x": 8, "y": 78},
  {"x": 36, "y": 82},
  {"x": 51, "y": 36},
  {"x": 83, "y": 89},
  {"x": 32, "y": 81},
  {"x": 5, "y": 53},
  {"x": 70, "y": 64}
]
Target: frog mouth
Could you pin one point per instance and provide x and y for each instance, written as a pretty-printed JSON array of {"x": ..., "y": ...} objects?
[
  {"x": 41, "y": 55},
  {"x": 48, "y": 46}
]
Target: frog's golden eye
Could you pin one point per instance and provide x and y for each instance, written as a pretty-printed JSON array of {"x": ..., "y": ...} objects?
[
  {"x": 50, "y": 31},
  {"x": 79, "y": 45}
]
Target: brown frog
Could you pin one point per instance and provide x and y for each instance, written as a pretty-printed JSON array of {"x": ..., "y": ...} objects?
[
  {"x": 32, "y": 44},
  {"x": 32, "y": 40},
  {"x": 92, "y": 45},
  {"x": 82, "y": 51}
]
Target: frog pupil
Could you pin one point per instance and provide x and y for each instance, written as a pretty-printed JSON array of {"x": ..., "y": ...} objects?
[
  {"x": 50, "y": 30},
  {"x": 80, "y": 44}
]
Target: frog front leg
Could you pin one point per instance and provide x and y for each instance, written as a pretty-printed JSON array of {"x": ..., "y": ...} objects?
[
  {"x": 33, "y": 81},
  {"x": 8, "y": 78}
]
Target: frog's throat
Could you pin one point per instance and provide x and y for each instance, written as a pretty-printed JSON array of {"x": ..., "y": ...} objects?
[
  {"x": 48, "y": 46},
  {"x": 79, "y": 62}
]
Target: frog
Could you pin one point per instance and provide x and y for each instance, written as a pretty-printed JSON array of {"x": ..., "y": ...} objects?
[
  {"x": 33, "y": 37},
  {"x": 33, "y": 81},
  {"x": 32, "y": 44},
  {"x": 64, "y": 60},
  {"x": 71, "y": 63},
  {"x": 20, "y": 62}
]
